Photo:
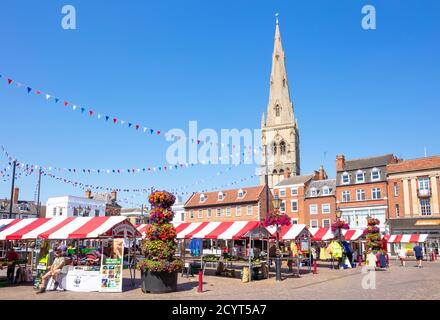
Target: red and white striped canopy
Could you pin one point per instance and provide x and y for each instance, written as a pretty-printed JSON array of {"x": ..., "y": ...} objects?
[
  {"x": 62, "y": 228},
  {"x": 324, "y": 234},
  {"x": 211, "y": 230},
  {"x": 289, "y": 232},
  {"x": 407, "y": 238},
  {"x": 321, "y": 234},
  {"x": 352, "y": 234}
]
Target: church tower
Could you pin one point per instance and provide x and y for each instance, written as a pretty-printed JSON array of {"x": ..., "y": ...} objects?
[{"x": 279, "y": 129}]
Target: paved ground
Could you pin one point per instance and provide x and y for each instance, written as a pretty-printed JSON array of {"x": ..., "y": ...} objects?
[{"x": 396, "y": 283}]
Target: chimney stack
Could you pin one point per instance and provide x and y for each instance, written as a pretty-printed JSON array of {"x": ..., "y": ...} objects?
[
  {"x": 88, "y": 194},
  {"x": 340, "y": 162},
  {"x": 286, "y": 174},
  {"x": 16, "y": 194},
  {"x": 113, "y": 198},
  {"x": 322, "y": 175}
]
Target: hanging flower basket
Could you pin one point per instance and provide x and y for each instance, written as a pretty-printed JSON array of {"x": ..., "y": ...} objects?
[{"x": 160, "y": 268}]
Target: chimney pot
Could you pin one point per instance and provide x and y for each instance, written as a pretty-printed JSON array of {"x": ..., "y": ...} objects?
[
  {"x": 340, "y": 162},
  {"x": 114, "y": 195},
  {"x": 15, "y": 196}
]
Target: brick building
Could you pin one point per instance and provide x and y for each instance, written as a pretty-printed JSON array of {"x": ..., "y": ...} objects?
[
  {"x": 320, "y": 203},
  {"x": 414, "y": 198},
  {"x": 244, "y": 204},
  {"x": 308, "y": 199},
  {"x": 361, "y": 189}
]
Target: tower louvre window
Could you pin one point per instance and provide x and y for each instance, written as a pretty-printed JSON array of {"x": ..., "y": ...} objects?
[
  {"x": 277, "y": 110},
  {"x": 274, "y": 148},
  {"x": 282, "y": 147}
]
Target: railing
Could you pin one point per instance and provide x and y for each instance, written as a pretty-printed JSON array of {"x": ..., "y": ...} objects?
[{"x": 424, "y": 193}]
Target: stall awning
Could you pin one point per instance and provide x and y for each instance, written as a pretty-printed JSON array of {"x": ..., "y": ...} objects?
[
  {"x": 321, "y": 234},
  {"x": 226, "y": 230},
  {"x": 289, "y": 232},
  {"x": 407, "y": 238},
  {"x": 352, "y": 234},
  {"x": 324, "y": 234},
  {"x": 65, "y": 228}
]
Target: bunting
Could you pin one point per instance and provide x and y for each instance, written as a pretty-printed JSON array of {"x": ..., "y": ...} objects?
[{"x": 91, "y": 112}]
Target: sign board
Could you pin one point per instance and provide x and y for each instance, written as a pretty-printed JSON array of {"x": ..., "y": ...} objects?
[
  {"x": 427, "y": 222},
  {"x": 112, "y": 266}
]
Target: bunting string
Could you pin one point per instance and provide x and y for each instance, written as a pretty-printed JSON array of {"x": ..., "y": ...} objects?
[
  {"x": 91, "y": 113},
  {"x": 146, "y": 169}
]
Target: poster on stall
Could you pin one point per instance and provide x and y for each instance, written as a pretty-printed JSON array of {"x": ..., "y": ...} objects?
[
  {"x": 112, "y": 266},
  {"x": 43, "y": 261}
]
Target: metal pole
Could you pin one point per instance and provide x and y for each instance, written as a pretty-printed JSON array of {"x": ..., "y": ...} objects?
[
  {"x": 38, "y": 197},
  {"x": 14, "y": 163},
  {"x": 278, "y": 257}
]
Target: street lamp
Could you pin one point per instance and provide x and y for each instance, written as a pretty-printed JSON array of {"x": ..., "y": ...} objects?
[
  {"x": 276, "y": 202},
  {"x": 338, "y": 213}
]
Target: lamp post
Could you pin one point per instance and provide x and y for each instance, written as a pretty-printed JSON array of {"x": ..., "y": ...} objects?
[
  {"x": 338, "y": 213},
  {"x": 276, "y": 202}
]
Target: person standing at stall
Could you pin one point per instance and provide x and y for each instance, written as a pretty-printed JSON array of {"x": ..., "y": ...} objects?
[{"x": 12, "y": 258}]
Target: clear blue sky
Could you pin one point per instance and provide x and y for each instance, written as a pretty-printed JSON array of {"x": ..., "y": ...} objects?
[{"x": 163, "y": 63}]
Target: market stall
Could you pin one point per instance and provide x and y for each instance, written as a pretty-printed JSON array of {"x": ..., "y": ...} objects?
[
  {"x": 407, "y": 241},
  {"x": 92, "y": 268},
  {"x": 323, "y": 238},
  {"x": 297, "y": 240},
  {"x": 214, "y": 242}
]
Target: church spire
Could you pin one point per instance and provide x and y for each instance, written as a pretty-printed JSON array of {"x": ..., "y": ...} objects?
[{"x": 280, "y": 108}]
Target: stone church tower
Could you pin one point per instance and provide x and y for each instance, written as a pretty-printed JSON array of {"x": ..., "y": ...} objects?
[{"x": 279, "y": 129}]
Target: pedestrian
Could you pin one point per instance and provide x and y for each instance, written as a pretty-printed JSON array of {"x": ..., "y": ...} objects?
[
  {"x": 12, "y": 258},
  {"x": 402, "y": 256},
  {"x": 418, "y": 251}
]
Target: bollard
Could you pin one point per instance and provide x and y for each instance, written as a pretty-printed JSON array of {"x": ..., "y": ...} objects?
[
  {"x": 200, "y": 289},
  {"x": 315, "y": 268},
  {"x": 359, "y": 260}
]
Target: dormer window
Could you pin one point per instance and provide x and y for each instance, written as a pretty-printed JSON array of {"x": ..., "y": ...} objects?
[
  {"x": 202, "y": 198},
  {"x": 360, "y": 176},
  {"x": 325, "y": 191},
  {"x": 221, "y": 196},
  {"x": 240, "y": 193},
  {"x": 345, "y": 178},
  {"x": 375, "y": 174},
  {"x": 313, "y": 192}
]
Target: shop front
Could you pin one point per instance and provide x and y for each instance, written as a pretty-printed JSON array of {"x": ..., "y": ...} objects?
[{"x": 421, "y": 225}]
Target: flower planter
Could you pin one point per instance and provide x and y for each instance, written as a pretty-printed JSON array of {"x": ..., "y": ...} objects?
[{"x": 159, "y": 282}]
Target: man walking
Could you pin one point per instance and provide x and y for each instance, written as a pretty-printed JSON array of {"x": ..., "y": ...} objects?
[{"x": 418, "y": 251}]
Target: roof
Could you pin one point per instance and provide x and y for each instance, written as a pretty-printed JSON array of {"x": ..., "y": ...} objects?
[
  {"x": 414, "y": 165},
  {"x": 22, "y": 207},
  {"x": 319, "y": 185},
  {"x": 64, "y": 228},
  {"x": 251, "y": 194},
  {"x": 370, "y": 162},
  {"x": 295, "y": 180}
]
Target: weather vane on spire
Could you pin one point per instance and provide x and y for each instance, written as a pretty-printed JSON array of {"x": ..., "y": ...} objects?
[{"x": 276, "y": 15}]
